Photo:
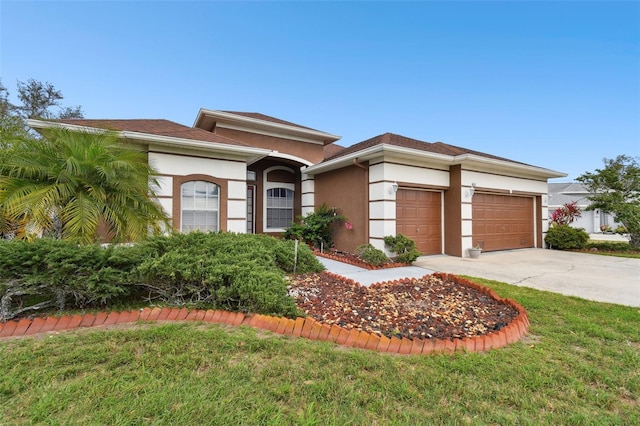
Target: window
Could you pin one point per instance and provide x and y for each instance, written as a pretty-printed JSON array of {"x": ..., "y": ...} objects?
[
  {"x": 200, "y": 206},
  {"x": 279, "y": 208}
]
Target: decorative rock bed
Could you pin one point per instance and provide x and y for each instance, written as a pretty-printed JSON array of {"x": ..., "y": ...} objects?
[{"x": 303, "y": 327}]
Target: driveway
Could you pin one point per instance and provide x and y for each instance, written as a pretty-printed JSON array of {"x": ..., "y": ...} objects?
[{"x": 601, "y": 278}]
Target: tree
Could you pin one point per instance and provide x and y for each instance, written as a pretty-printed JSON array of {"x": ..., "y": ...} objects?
[
  {"x": 70, "y": 185},
  {"x": 616, "y": 190},
  {"x": 36, "y": 100}
]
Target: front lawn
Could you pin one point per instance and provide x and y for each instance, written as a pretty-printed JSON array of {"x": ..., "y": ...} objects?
[{"x": 579, "y": 365}]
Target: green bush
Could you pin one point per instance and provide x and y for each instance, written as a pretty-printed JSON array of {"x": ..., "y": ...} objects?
[
  {"x": 614, "y": 246},
  {"x": 315, "y": 228},
  {"x": 49, "y": 273},
  {"x": 227, "y": 271},
  {"x": 565, "y": 237},
  {"x": 404, "y": 248},
  {"x": 371, "y": 255}
]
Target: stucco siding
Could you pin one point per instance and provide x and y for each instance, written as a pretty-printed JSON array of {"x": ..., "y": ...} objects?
[
  {"x": 502, "y": 183},
  {"x": 169, "y": 164}
]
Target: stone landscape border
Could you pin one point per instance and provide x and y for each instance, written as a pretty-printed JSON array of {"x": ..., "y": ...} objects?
[{"x": 300, "y": 327}]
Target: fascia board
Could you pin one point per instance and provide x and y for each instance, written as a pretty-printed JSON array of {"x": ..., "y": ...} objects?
[
  {"x": 376, "y": 152},
  {"x": 383, "y": 149},
  {"x": 507, "y": 165},
  {"x": 252, "y": 154},
  {"x": 267, "y": 127}
]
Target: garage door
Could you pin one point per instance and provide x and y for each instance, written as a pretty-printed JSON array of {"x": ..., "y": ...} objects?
[
  {"x": 419, "y": 217},
  {"x": 502, "y": 222}
]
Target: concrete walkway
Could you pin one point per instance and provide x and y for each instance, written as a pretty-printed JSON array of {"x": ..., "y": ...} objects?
[
  {"x": 367, "y": 277},
  {"x": 589, "y": 276},
  {"x": 593, "y": 277}
]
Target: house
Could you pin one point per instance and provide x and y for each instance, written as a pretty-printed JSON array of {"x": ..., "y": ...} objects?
[
  {"x": 249, "y": 172},
  {"x": 593, "y": 221}
]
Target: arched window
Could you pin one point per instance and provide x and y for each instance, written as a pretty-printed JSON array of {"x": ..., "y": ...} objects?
[
  {"x": 279, "y": 208},
  {"x": 200, "y": 206}
]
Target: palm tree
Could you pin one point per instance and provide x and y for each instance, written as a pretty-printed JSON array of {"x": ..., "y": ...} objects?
[{"x": 79, "y": 186}]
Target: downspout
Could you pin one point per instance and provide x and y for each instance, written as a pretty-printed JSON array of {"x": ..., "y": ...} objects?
[{"x": 355, "y": 163}]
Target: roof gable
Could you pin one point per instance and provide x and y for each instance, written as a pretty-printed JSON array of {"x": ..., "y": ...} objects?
[{"x": 253, "y": 122}]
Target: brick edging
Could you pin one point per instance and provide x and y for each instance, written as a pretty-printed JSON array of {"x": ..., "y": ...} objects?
[
  {"x": 362, "y": 265},
  {"x": 299, "y": 327}
]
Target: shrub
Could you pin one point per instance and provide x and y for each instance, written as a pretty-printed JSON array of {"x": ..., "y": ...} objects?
[
  {"x": 371, "y": 255},
  {"x": 565, "y": 237},
  {"x": 227, "y": 271},
  {"x": 615, "y": 246},
  {"x": 621, "y": 229},
  {"x": 404, "y": 248},
  {"x": 566, "y": 214},
  {"x": 315, "y": 228},
  {"x": 49, "y": 273}
]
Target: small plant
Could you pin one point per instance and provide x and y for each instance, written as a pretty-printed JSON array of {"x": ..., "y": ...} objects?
[
  {"x": 565, "y": 237},
  {"x": 566, "y": 214},
  {"x": 316, "y": 228},
  {"x": 404, "y": 248},
  {"x": 371, "y": 255},
  {"x": 621, "y": 230}
]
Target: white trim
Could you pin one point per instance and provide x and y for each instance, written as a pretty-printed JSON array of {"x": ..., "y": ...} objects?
[
  {"x": 270, "y": 128},
  {"x": 270, "y": 185},
  {"x": 383, "y": 149},
  {"x": 278, "y": 154},
  {"x": 251, "y": 154}
]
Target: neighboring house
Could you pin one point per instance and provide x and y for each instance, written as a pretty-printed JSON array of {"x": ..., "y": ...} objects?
[
  {"x": 248, "y": 172},
  {"x": 592, "y": 221}
]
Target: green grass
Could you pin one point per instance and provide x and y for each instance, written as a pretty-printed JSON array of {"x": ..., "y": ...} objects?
[{"x": 579, "y": 365}]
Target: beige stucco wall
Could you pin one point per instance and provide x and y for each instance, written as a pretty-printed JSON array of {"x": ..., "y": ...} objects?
[{"x": 230, "y": 175}]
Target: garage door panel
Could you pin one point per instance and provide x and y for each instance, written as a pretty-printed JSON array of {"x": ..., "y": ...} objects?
[
  {"x": 502, "y": 222},
  {"x": 419, "y": 217}
]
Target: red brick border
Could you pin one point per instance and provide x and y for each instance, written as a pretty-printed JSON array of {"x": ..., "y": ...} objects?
[
  {"x": 362, "y": 265},
  {"x": 300, "y": 327}
]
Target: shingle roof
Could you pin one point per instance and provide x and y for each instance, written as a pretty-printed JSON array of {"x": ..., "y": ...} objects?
[
  {"x": 561, "y": 193},
  {"x": 258, "y": 116},
  {"x": 405, "y": 142},
  {"x": 158, "y": 127},
  {"x": 332, "y": 149}
]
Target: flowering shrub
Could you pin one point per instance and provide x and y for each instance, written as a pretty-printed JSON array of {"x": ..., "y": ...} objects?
[{"x": 566, "y": 214}]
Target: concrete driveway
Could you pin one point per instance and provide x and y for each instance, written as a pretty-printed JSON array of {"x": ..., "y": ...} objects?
[{"x": 601, "y": 278}]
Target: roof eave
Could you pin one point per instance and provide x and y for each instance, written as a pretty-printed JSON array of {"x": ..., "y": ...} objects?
[
  {"x": 269, "y": 126},
  {"x": 382, "y": 149},
  {"x": 251, "y": 154},
  {"x": 536, "y": 171}
]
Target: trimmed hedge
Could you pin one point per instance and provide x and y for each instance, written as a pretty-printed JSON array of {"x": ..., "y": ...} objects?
[
  {"x": 565, "y": 237},
  {"x": 227, "y": 271}
]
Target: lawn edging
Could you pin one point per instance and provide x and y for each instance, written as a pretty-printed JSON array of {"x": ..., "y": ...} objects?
[
  {"x": 300, "y": 327},
  {"x": 361, "y": 264}
]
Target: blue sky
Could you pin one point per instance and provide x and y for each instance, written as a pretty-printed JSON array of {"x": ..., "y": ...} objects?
[{"x": 553, "y": 84}]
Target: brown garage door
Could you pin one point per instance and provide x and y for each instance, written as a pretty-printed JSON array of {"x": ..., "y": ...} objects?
[
  {"x": 502, "y": 222},
  {"x": 419, "y": 217}
]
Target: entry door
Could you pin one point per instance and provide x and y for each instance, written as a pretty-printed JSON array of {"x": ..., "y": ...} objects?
[
  {"x": 419, "y": 217},
  {"x": 251, "y": 209}
]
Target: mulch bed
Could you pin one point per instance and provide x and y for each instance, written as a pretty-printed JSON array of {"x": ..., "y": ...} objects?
[
  {"x": 429, "y": 307},
  {"x": 354, "y": 259}
]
